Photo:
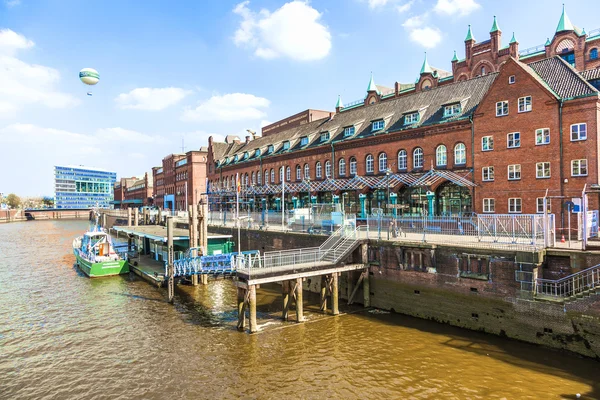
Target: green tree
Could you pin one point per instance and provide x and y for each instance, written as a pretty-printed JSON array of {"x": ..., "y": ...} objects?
[
  {"x": 48, "y": 201},
  {"x": 13, "y": 200}
]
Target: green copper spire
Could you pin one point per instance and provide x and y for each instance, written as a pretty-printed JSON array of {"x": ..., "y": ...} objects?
[
  {"x": 372, "y": 86},
  {"x": 565, "y": 23},
  {"x": 548, "y": 42},
  {"x": 513, "y": 40},
  {"x": 339, "y": 103},
  {"x": 454, "y": 58},
  {"x": 469, "y": 35},
  {"x": 426, "y": 69},
  {"x": 495, "y": 27},
  {"x": 583, "y": 32}
]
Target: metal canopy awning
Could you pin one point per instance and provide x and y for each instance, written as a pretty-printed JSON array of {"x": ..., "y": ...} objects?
[{"x": 428, "y": 179}]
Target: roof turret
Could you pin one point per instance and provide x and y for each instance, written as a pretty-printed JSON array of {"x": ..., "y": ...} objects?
[
  {"x": 564, "y": 24},
  {"x": 426, "y": 68},
  {"x": 495, "y": 27},
  {"x": 469, "y": 35}
]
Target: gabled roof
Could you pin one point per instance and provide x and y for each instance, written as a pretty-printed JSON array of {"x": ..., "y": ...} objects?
[
  {"x": 562, "y": 78},
  {"x": 591, "y": 74},
  {"x": 392, "y": 111}
]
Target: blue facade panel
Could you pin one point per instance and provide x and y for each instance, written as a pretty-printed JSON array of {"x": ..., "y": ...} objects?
[{"x": 83, "y": 187}]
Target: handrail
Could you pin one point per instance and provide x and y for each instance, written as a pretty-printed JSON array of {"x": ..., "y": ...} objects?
[{"x": 569, "y": 277}]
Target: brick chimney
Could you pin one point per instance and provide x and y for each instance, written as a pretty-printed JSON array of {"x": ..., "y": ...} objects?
[{"x": 247, "y": 139}]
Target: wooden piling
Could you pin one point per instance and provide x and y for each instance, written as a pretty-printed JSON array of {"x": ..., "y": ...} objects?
[
  {"x": 299, "y": 304},
  {"x": 241, "y": 302},
  {"x": 128, "y": 216},
  {"x": 252, "y": 303},
  {"x": 285, "y": 290},
  {"x": 366, "y": 290},
  {"x": 323, "y": 294},
  {"x": 136, "y": 216},
  {"x": 334, "y": 294},
  {"x": 170, "y": 260}
]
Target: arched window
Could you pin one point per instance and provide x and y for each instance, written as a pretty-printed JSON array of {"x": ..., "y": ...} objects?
[
  {"x": 352, "y": 166},
  {"x": 382, "y": 162},
  {"x": 259, "y": 177},
  {"x": 281, "y": 174},
  {"x": 402, "y": 159},
  {"x": 342, "y": 167},
  {"x": 226, "y": 183},
  {"x": 418, "y": 158},
  {"x": 233, "y": 182},
  {"x": 298, "y": 173},
  {"x": 319, "y": 170},
  {"x": 327, "y": 169},
  {"x": 441, "y": 156},
  {"x": 288, "y": 174},
  {"x": 594, "y": 54},
  {"x": 272, "y": 175},
  {"x": 246, "y": 179},
  {"x": 370, "y": 164},
  {"x": 460, "y": 154},
  {"x": 253, "y": 178},
  {"x": 266, "y": 176},
  {"x": 483, "y": 70},
  {"x": 306, "y": 171}
]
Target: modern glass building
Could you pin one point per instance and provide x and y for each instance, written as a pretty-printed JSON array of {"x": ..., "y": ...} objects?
[{"x": 83, "y": 187}]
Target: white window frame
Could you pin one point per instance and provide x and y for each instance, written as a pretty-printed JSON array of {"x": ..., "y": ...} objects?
[
  {"x": 539, "y": 205},
  {"x": 303, "y": 140},
  {"x": 441, "y": 156},
  {"x": 349, "y": 131},
  {"x": 490, "y": 143},
  {"x": 281, "y": 174},
  {"x": 579, "y": 137},
  {"x": 382, "y": 161},
  {"x": 516, "y": 169},
  {"x": 542, "y": 170},
  {"x": 512, "y": 79},
  {"x": 324, "y": 136},
  {"x": 342, "y": 167},
  {"x": 460, "y": 154},
  {"x": 378, "y": 125},
  {"x": 353, "y": 166},
  {"x": 327, "y": 169},
  {"x": 452, "y": 109},
  {"x": 266, "y": 176},
  {"x": 306, "y": 171},
  {"x": 579, "y": 163},
  {"x": 513, "y": 202},
  {"x": 402, "y": 159},
  {"x": 370, "y": 164},
  {"x": 500, "y": 106},
  {"x": 272, "y": 175},
  {"x": 487, "y": 174},
  {"x": 516, "y": 142},
  {"x": 319, "y": 170},
  {"x": 286, "y": 145},
  {"x": 259, "y": 177},
  {"x": 298, "y": 172},
  {"x": 543, "y": 133},
  {"x": 525, "y": 107},
  {"x": 489, "y": 205},
  {"x": 411, "y": 118},
  {"x": 288, "y": 174},
  {"x": 418, "y": 157}
]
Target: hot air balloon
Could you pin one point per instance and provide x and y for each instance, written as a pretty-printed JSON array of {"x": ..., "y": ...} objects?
[{"x": 89, "y": 76}]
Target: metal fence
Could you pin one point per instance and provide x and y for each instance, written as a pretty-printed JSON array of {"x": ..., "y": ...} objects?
[{"x": 572, "y": 285}]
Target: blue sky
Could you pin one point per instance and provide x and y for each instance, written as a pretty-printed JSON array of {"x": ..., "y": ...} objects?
[{"x": 193, "y": 68}]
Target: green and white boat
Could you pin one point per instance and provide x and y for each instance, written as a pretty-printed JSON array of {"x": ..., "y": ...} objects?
[{"x": 96, "y": 255}]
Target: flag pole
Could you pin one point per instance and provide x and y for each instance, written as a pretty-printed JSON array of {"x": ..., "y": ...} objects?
[
  {"x": 283, "y": 201},
  {"x": 237, "y": 212}
]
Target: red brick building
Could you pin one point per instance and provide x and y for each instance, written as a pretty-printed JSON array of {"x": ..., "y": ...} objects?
[
  {"x": 181, "y": 180},
  {"x": 133, "y": 192},
  {"x": 501, "y": 131}
]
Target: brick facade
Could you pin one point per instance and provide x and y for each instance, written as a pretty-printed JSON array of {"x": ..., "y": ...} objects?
[{"x": 133, "y": 192}]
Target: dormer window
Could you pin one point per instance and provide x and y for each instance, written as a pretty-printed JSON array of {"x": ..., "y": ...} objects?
[
  {"x": 303, "y": 140},
  {"x": 348, "y": 131},
  {"x": 235, "y": 158},
  {"x": 324, "y": 136},
  {"x": 270, "y": 149},
  {"x": 226, "y": 160},
  {"x": 257, "y": 153},
  {"x": 245, "y": 155},
  {"x": 411, "y": 118},
  {"x": 452, "y": 109},
  {"x": 286, "y": 145},
  {"x": 377, "y": 125}
]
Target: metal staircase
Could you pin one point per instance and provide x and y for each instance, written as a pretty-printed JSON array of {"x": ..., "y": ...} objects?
[{"x": 579, "y": 285}]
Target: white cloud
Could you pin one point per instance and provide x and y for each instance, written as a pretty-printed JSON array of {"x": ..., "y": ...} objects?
[
  {"x": 414, "y": 22},
  {"x": 151, "y": 99},
  {"x": 228, "y": 107},
  {"x": 292, "y": 31},
  {"x": 404, "y": 7},
  {"x": 377, "y": 3},
  {"x": 426, "y": 37},
  {"x": 12, "y": 3},
  {"x": 11, "y": 41},
  {"x": 460, "y": 7},
  {"x": 22, "y": 83}
]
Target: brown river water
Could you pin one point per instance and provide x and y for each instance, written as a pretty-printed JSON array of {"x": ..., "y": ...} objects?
[{"x": 64, "y": 336}]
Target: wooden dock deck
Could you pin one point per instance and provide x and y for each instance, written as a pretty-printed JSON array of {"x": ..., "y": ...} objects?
[{"x": 149, "y": 269}]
